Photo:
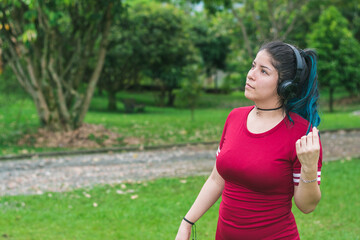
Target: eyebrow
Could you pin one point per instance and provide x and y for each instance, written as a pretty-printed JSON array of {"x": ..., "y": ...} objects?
[{"x": 263, "y": 66}]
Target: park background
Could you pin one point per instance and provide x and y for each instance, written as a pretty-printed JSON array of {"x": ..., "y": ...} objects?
[{"x": 84, "y": 75}]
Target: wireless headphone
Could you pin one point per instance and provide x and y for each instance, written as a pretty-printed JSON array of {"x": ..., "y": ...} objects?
[{"x": 288, "y": 87}]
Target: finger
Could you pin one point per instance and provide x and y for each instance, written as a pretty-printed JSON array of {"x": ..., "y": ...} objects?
[
  {"x": 316, "y": 140},
  {"x": 298, "y": 147},
  {"x": 303, "y": 141},
  {"x": 309, "y": 139}
]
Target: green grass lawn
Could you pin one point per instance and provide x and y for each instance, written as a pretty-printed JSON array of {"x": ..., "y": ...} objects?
[
  {"x": 154, "y": 209},
  {"x": 156, "y": 126}
]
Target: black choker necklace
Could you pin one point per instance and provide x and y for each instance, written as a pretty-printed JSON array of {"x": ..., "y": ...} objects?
[{"x": 268, "y": 109}]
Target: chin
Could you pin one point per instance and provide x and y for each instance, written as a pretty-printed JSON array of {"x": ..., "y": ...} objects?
[{"x": 248, "y": 96}]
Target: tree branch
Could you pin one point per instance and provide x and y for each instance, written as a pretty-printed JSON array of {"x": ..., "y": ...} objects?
[
  {"x": 43, "y": 23},
  {"x": 256, "y": 21},
  {"x": 64, "y": 112},
  {"x": 72, "y": 60},
  {"x": 272, "y": 19},
  {"x": 244, "y": 32},
  {"x": 38, "y": 90},
  {"x": 84, "y": 56},
  {"x": 14, "y": 59},
  {"x": 297, "y": 13},
  {"x": 100, "y": 63}
]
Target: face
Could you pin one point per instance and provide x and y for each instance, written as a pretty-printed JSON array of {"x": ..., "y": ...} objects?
[{"x": 262, "y": 81}]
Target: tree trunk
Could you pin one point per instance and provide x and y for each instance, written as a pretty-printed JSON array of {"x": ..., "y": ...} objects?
[
  {"x": 331, "y": 99},
  {"x": 171, "y": 98},
  {"x": 1, "y": 63},
  {"x": 161, "y": 98},
  {"x": 112, "y": 101},
  {"x": 96, "y": 74},
  {"x": 48, "y": 69},
  {"x": 192, "y": 110},
  {"x": 216, "y": 81}
]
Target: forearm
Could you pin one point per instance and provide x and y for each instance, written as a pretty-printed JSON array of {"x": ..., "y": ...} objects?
[
  {"x": 307, "y": 195},
  {"x": 209, "y": 194}
]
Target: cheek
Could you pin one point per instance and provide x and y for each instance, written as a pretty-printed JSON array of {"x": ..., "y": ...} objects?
[
  {"x": 270, "y": 86},
  {"x": 273, "y": 82}
]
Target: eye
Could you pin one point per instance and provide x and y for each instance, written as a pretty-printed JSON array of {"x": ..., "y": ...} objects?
[
  {"x": 263, "y": 71},
  {"x": 252, "y": 66}
]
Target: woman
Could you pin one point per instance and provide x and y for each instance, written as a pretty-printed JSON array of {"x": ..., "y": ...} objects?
[{"x": 268, "y": 153}]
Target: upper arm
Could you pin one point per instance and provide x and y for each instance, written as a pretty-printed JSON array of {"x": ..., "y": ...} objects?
[{"x": 216, "y": 177}]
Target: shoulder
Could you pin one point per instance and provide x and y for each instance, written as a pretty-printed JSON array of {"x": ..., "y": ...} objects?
[
  {"x": 241, "y": 111},
  {"x": 238, "y": 113}
]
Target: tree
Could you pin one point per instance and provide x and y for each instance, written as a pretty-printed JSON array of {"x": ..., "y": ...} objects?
[
  {"x": 311, "y": 12},
  {"x": 191, "y": 89},
  {"x": 125, "y": 58},
  {"x": 339, "y": 53},
  {"x": 261, "y": 20},
  {"x": 214, "y": 46},
  {"x": 56, "y": 50},
  {"x": 1, "y": 63},
  {"x": 350, "y": 9},
  {"x": 168, "y": 46}
]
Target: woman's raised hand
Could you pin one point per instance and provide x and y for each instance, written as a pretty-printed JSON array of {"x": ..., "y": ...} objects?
[{"x": 308, "y": 149}]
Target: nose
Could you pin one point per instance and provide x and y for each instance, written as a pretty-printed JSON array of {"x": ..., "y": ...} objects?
[{"x": 250, "y": 74}]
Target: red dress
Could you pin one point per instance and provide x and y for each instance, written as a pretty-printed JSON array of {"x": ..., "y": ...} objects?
[{"x": 260, "y": 171}]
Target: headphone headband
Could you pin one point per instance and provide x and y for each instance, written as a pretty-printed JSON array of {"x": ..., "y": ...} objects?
[
  {"x": 299, "y": 62},
  {"x": 287, "y": 88}
]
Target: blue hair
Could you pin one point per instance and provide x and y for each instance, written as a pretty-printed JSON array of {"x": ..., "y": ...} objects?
[
  {"x": 306, "y": 102},
  {"x": 303, "y": 99}
]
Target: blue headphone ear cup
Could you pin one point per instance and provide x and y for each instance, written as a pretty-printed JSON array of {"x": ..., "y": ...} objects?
[{"x": 286, "y": 89}]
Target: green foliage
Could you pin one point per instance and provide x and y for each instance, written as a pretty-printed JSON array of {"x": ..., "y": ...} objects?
[
  {"x": 98, "y": 140},
  {"x": 168, "y": 47},
  {"x": 213, "y": 6},
  {"x": 350, "y": 9},
  {"x": 161, "y": 203},
  {"x": 149, "y": 39},
  {"x": 213, "y": 44},
  {"x": 338, "y": 52},
  {"x": 17, "y": 117},
  {"x": 9, "y": 85},
  {"x": 125, "y": 57},
  {"x": 54, "y": 48}
]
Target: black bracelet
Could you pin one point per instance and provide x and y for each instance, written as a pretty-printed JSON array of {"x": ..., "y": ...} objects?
[
  {"x": 188, "y": 221},
  {"x": 194, "y": 237}
]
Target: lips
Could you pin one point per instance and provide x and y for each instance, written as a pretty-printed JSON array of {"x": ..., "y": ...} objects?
[{"x": 249, "y": 86}]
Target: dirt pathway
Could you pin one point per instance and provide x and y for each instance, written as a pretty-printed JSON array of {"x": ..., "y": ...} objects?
[{"x": 36, "y": 176}]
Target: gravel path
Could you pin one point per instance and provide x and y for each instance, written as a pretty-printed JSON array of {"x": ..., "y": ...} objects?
[{"x": 39, "y": 175}]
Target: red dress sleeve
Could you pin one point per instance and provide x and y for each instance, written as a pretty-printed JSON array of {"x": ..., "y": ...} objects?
[{"x": 222, "y": 140}]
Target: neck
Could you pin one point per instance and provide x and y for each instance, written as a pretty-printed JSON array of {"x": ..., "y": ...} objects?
[
  {"x": 269, "y": 112},
  {"x": 268, "y": 109}
]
